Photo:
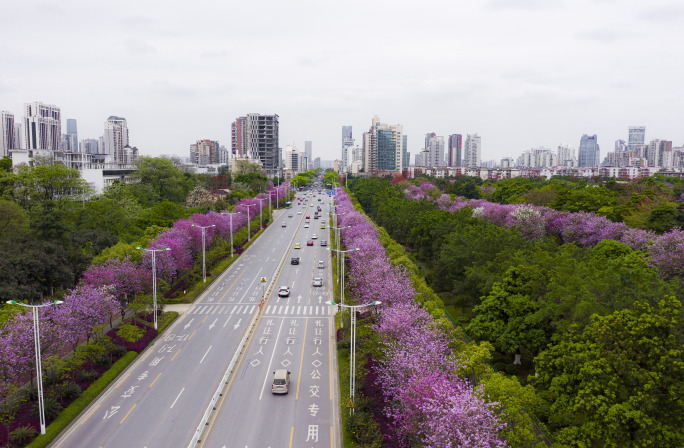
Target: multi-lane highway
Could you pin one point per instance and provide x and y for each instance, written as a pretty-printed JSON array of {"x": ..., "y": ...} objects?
[{"x": 161, "y": 399}]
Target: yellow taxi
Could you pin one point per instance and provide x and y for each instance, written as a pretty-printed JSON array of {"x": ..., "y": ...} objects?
[{"x": 297, "y": 246}]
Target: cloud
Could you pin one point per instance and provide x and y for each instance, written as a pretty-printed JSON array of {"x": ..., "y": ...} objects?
[
  {"x": 670, "y": 13},
  {"x": 602, "y": 35},
  {"x": 521, "y": 4},
  {"x": 139, "y": 47}
]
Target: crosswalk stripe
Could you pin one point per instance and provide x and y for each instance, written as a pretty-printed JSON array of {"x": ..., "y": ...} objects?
[
  {"x": 202, "y": 310},
  {"x": 246, "y": 309},
  {"x": 214, "y": 310},
  {"x": 251, "y": 310},
  {"x": 233, "y": 310},
  {"x": 286, "y": 308},
  {"x": 299, "y": 310}
]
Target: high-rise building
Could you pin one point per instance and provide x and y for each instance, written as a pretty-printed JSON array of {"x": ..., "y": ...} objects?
[
  {"x": 347, "y": 142},
  {"x": 292, "y": 158},
  {"x": 308, "y": 149},
  {"x": 382, "y": 147},
  {"x": 455, "y": 150},
  {"x": 71, "y": 126},
  {"x": 566, "y": 155},
  {"x": 472, "y": 150},
  {"x": 434, "y": 145},
  {"x": 637, "y": 137},
  {"x": 238, "y": 146},
  {"x": 205, "y": 152},
  {"x": 7, "y": 133},
  {"x": 42, "y": 126},
  {"x": 89, "y": 146},
  {"x": 256, "y": 136},
  {"x": 589, "y": 152},
  {"x": 115, "y": 139},
  {"x": 406, "y": 157}
]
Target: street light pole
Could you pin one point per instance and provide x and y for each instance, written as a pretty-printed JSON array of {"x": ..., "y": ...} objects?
[
  {"x": 154, "y": 279},
  {"x": 231, "y": 230},
  {"x": 249, "y": 225},
  {"x": 204, "y": 265},
  {"x": 352, "y": 351},
  {"x": 261, "y": 219},
  {"x": 343, "y": 252},
  {"x": 39, "y": 364}
]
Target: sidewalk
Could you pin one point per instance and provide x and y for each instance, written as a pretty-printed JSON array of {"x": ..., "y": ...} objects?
[{"x": 179, "y": 308}]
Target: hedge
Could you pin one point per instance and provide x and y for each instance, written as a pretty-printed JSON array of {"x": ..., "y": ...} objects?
[{"x": 74, "y": 409}]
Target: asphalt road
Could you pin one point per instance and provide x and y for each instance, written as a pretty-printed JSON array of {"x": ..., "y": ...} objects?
[{"x": 160, "y": 399}]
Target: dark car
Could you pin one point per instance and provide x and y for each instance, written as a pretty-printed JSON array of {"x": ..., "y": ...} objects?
[{"x": 294, "y": 260}]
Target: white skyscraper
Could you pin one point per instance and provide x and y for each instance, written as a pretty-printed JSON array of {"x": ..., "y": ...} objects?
[
  {"x": 42, "y": 126},
  {"x": 637, "y": 137},
  {"x": 7, "y": 133},
  {"x": 472, "y": 150},
  {"x": 115, "y": 138},
  {"x": 566, "y": 155},
  {"x": 347, "y": 143},
  {"x": 434, "y": 145},
  {"x": 308, "y": 149}
]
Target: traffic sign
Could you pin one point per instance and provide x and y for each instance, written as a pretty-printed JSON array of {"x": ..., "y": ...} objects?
[{"x": 263, "y": 280}]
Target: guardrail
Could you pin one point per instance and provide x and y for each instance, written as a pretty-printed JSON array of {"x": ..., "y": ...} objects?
[{"x": 241, "y": 347}]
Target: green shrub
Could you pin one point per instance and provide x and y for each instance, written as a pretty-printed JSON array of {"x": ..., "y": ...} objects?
[
  {"x": 500, "y": 366},
  {"x": 511, "y": 369},
  {"x": 53, "y": 376},
  {"x": 86, "y": 376},
  {"x": 22, "y": 434},
  {"x": 67, "y": 390},
  {"x": 118, "y": 350},
  {"x": 104, "y": 363},
  {"x": 75, "y": 408},
  {"x": 51, "y": 407},
  {"x": 364, "y": 430},
  {"x": 129, "y": 332}
]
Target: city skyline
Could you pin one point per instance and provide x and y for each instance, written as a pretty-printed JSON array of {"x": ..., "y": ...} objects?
[{"x": 505, "y": 72}]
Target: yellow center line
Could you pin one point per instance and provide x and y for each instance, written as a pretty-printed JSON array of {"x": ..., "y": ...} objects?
[
  {"x": 291, "y": 435},
  {"x": 332, "y": 438},
  {"x": 128, "y": 413},
  {"x": 301, "y": 360},
  {"x": 89, "y": 415},
  {"x": 174, "y": 356},
  {"x": 122, "y": 381},
  {"x": 193, "y": 333},
  {"x": 146, "y": 355},
  {"x": 205, "y": 318},
  {"x": 155, "y": 380}
]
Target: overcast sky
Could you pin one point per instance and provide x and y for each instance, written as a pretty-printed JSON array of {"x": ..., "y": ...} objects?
[{"x": 520, "y": 73}]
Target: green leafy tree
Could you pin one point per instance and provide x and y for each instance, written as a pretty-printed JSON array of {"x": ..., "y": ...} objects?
[
  {"x": 6, "y": 164},
  {"x": 158, "y": 180},
  {"x": 663, "y": 218},
  {"x": 13, "y": 220},
  {"x": 619, "y": 381},
  {"x": 56, "y": 184}
]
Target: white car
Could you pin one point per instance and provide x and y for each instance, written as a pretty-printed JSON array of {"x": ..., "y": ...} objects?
[
  {"x": 317, "y": 281},
  {"x": 299, "y": 212},
  {"x": 284, "y": 291},
  {"x": 306, "y": 226},
  {"x": 284, "y": 225},
  {"x": 321, "y": 265},
  {"x": 314, "y": 236}
]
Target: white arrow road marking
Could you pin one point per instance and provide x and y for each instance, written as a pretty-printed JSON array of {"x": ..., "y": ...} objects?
[
  {"x": 205, "y": 355},
  {"x": 213, "y": 324},
  {"x": 320, "y": 299},
  {"x": 299, "y": 299},
  {"x": 237, "y": 324},
  {"x": 188, "y": 324}
]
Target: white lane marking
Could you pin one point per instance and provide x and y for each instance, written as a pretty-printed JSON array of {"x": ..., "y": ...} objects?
[
  {"x": 174, "y": 401},
  {"x": 280, "y": 310},
  {"x": 234, "y": 308},
  {"x": 239, "y": 310},
  {"x": 299, "y": 310},
  {"x": 286, "y": 308},
  {"x": 202, "y": 311},
  {"x": 251, "y": 311},
  {"x": 271, "y": 361},
  {"x": 268, "y": 309},
  {"x": 246, "y": 309},
  {"x": 209, "y": 310},
  {"x": 224, "y": 325},
  {"x": 316, "y": 310},
  {"x": 215, "y": 310},
  {"x": 205, "y": 355},
  {"x": 213, "y": 324}
]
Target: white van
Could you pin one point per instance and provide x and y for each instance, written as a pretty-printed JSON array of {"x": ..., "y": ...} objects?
[{"x": 281, "y": 381}]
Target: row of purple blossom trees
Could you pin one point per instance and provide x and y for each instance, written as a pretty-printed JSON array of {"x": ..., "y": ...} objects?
[
  {"x": 666, "y": 251},
  {"x": 428, "y": 404},
  {"x": 105, "y": 289}
]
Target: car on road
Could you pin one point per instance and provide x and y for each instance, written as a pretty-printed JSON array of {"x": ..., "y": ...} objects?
[
  {"x": 321, "y": 264},
  {"x": 284, "y": 291},
  {"x": 294, "y": 260},
  {"x": 306, "y": 217},
  {"x": 314, "y": 237},
  {"x": 299, "y": 212},
  {"x": 284, "y": 225},
  {"x": 309, "y": 243},
  {"x": 306, "y": 225},
  {"x": 281, "y": 381},
  {"x": 322, "y": 226},
  {"x": 297, "y": 246},
  {"x": 317, "y": 281},
  {"x": 324, "y": 242},
  {"x": 290, "y": 215}
]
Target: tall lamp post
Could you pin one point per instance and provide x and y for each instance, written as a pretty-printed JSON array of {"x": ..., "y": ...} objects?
[
  {"x": 204, "y": 258},
  {"x": 343, "y": 252},
  {"x": 249, "y": 226},
  {"x": 337, "y": 239},
  {"x": 352, "y": 351},
  {"x": 231, "y": 230},
  {"x": 154, "y": 279},
  {"x": 261, "y": 219},
  {"x": 39, "y": 365}
]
